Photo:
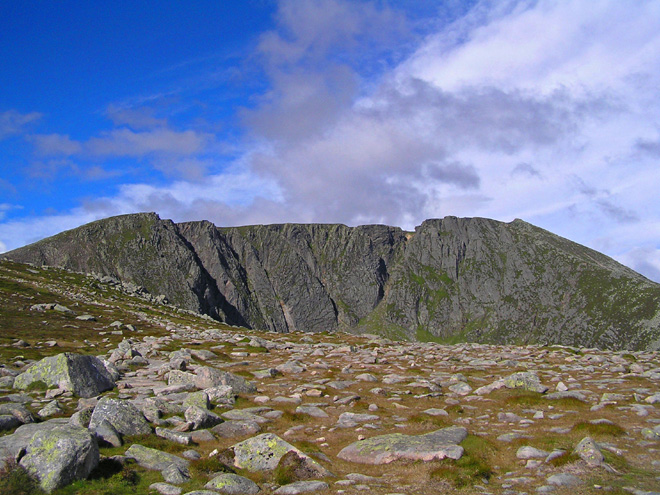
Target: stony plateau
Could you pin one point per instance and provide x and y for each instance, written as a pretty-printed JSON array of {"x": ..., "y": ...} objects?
[
  {"x": 201, "y": 407},
  {"x": 451, "y": 280}
]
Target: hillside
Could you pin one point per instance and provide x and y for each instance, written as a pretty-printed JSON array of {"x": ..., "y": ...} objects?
[{"x": 451, "y": 280}]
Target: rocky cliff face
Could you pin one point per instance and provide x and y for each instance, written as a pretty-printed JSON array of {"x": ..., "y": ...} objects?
[{"x": 452, "y": 279}]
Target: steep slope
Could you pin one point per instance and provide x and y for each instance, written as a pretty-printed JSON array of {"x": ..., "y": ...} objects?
[{"x": 452, "y": 279}]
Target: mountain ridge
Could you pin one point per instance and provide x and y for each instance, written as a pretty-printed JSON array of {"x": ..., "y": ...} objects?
[{"x": 452, "y": 279}]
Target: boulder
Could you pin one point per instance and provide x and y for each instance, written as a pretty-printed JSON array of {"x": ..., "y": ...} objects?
[
  {"x": 59, "y": 456},
  {"x": 155, "y": 459},
  {"x": 19, "y": 411},
  {"x": 589, "y": 452},
  {"x": 235, "y": 428},
  {"x": 525, "y": 380},
  {"x": 232, "y": 484},
  {"x": 263, "y": 453},
  {"x": 207, "y": 377},
  {"x": 384, "y": 449},
  {"x": 12, "y": 445},
  {"x": 85, "y": 376},
  {"x": 302, "y": 487},
  {"x": 122, "y": 415},
  {"x": 202, "y": 418}
]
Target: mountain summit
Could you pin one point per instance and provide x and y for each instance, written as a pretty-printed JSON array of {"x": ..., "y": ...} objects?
[{"x": 451, "y": 280}]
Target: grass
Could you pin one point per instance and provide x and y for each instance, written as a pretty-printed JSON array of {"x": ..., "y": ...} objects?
[
  {"x": 599, "y": 430},
  {"x": 472, "y": 468},
  {"x": 14, "y": 480}
]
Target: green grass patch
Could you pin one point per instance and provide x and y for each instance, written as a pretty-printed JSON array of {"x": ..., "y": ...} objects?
[
  {"x": 14, "y": 480},
  {"x": 523, "y": 398},
  {"x": 599, "y": 429},
  {"x": 472, "y": 468}
]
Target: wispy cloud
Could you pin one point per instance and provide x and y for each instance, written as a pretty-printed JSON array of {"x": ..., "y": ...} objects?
[{"x": 14, "y": 122}]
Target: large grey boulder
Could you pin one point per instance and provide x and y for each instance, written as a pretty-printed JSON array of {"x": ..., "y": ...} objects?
[
  {"x": 155, "y": 459},
  {"x": 525, "y": 380},
  {"x": 302, "y": 487},
  {"x": 589, "y": 451},
  {"x": 384, "y": 449},
  {"x": 122, "y": 415},
  {"x": 233, "y": 484},
  {"x": 12, "y": 445},
  {"x": 85, "y": 376},
  {"x": 263, "y": 453},
  {"x": 202, "y": 418},
  {"x": 207, "y": 377},
  {"x": 60, "y": 456}
]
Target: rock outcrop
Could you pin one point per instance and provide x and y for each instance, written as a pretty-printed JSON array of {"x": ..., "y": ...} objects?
[
  {"x": 452, "y": 279},
  {"x": 85, "y": 376}
]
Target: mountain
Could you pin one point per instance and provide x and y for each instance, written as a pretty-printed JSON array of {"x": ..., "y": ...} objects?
[{"x": 451, "y": 280}]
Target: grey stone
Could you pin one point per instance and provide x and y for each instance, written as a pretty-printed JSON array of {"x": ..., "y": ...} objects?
[
  {"x": 50, "y": 409},
  {"x": 19, "y": 411},
  {"x": 59, "y": 456},
  {"x": 313, "y": 411},
  {"x": 388, "y": 448},
  {"x": 525, "y": 380},
  {"x": 302, "y": 487},
  {"x": 85, "y": 376},
  {"x": 350, "y": 420},
  {"x": 184, "y": 438},
  {"x": 122, "y": 415},
  {"x": 202, "y": 418},
  {"x": 206, "y": 377},
  {"x": 589, "y": 452},
  {"x": 11, "y": 445},
  {"x": 8, "y": 422},
  {"x": 154, "y": 459},
  {"x": 263, "y": 453},
  {"x": 107, "y": 433},
  {"x": 222, "y": 394},
  {"x": 531, "y": 453},
  {"x": 176, "y": 474},
  {"x": 165, "y": 489},
  {"x": 199, "y": 399},
  {"x": 233, "y": 484},
  {"x": 236, "y": 428},
  {"x": 564, "y": 479}
]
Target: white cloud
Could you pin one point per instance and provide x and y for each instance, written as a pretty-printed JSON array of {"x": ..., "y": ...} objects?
[
  {"x": 542, "y": 110},
  {"x": 14, "y": 122},
  {"x": 125, "y": 142}
]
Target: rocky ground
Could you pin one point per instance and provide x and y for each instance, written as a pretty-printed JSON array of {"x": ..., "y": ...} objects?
[{"x": 179, "y": 404}]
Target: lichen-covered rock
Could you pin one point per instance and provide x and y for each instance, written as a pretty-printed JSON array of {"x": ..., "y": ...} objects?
[
  {"x": 525, "y": 380},
  {"x": 222, "y": 394},
  {"x": 232, "y": 484},
  {"x": 202, "y": 418},
  {"x": 263, "y": 453},
  {"x": 154, "y": 459},
  {"x": 106, "y": 433},
  {"x": 19, "y": 411},
  {"x": 122, "y": 415},
  {"x": 85, "y": 376},
  {"x": 589, "y": 452},
  {"x": 236, "y": 428},
  {"x": 302, "y": 487},
  {"x": 207, "y": 377},
  {"x": 59, "y": 456},
  {"x": 12, "y": 445},
  {"x": 384, "y": 449},
  {"x": 176, "y": 377},
  {"x": 199, "y": 399},
  {"x": 8, "y": 422}
]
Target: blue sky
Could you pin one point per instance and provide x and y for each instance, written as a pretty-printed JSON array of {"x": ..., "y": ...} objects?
[{"x": 355, "y": 112}]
